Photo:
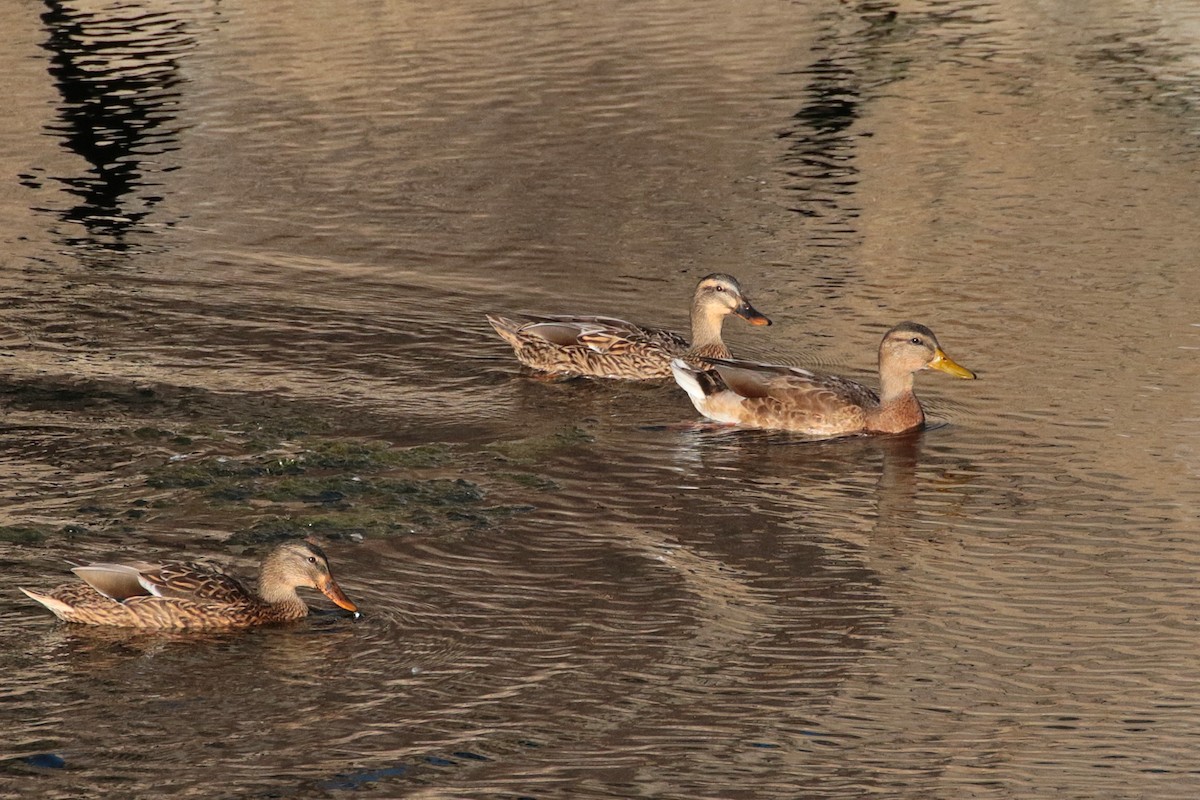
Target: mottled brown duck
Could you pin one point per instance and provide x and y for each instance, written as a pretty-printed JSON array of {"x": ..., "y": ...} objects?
[
  {"x": 602, "y": 347},
  {"x": 194, "y": 596},
  {"x": 793, "y": 399}
]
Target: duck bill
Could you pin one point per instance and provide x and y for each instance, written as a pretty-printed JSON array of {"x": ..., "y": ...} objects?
[
  {"x": 334, "y": 592},
  {"x": 943, "y": 363},
  {"x": 750, "y": 314}
]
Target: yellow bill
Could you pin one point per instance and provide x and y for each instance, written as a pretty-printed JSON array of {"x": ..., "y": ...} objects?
[{"x": 943, "y": 363}]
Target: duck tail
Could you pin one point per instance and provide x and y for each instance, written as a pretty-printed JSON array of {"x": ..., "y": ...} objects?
[
  {"x": 58, "y": 607},
  {"x": 698, "y": 383},
  {"x": 507, "y": 329}
]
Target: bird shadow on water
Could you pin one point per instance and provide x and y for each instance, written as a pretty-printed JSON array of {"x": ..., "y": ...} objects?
[
  {"x": 761, "y": 454},
  {"x": 81, "y": 649},
  {"x": 872, "y": 489}
]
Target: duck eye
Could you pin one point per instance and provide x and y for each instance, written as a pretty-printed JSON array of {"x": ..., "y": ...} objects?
[
  {"x": 312, "y": 559},
  {"x": 916, "y": 340},
  {"x": 719, "y": 288}
]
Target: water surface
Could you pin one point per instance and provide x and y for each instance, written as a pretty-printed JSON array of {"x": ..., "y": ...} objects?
[{"x": 247, "y": 255}]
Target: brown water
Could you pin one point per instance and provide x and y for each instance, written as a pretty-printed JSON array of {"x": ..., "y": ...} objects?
[{"x": 247, "y": 252}]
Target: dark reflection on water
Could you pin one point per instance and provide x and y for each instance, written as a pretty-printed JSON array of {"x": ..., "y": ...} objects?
[
  {"x": 116, "y": 66},
  {"x": 821, "y": 145}
]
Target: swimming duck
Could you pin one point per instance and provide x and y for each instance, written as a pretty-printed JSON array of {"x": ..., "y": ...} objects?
[
  {"x": 794, "y": 399},
  {"x": 192, "y": 596},
  {"x": 602, "y": 347}
]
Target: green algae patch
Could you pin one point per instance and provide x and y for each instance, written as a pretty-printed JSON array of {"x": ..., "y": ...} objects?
[
  {"x": 422, "y": 457},
  {"x": 346, "y": 454},
  {"x": 405, "y": 507},
  {"x": 443, "y": 492},
  {"x": 534, "y": 448},
  {"x": 332, "y": 526},
  {"x": 269, "y": 434},
  {"x": 151, "y": 434},
  {"x": 530, "y": 480},
  {"x": 371, "y": 456},
  {"x": 233, "y": 477},
  {"x": 305, "y": 489},
  {"x": 24, "y": 534},
  {"x": 340, "y": 507},
  {"x": 215, "y": 472},
  {"x": 382, "y": 492},
  {"x": 37, "y": 534},
  {"x": 329, "y": 487}
]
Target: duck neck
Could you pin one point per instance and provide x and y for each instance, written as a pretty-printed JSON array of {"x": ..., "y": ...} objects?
[
  {"x": 706, "y": 332},
  {"x": 280, "y": 594},
  {"x": 894, "y": 386},
  {"x": 899, "y": 410}
]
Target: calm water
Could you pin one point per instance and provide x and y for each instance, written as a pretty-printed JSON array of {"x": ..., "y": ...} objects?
[{"x": 247, "y": 250}]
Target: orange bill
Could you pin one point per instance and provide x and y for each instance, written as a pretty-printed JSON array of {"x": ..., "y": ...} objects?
[
  {"x": 750, "y": 314},
  {"x": 330, "y": 589}
]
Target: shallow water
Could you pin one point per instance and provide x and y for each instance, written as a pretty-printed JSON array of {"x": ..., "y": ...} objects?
[{"x": 247, "y": 254}]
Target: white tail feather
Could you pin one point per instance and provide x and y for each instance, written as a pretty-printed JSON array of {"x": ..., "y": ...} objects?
[{"x": 685, "y": 376}]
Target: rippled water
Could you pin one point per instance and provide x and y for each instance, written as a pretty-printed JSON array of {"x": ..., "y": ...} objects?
[{"x": 247, "y": 253}]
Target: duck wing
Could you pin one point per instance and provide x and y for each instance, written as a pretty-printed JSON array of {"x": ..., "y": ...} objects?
[
  {"x": 754, "y": 379},
  {"x": 601, "y": 334},
  {"x": 599, "y": 347},
  {"x": 117, "y": 582},
  {"x": 184, "y": 580},
  {"x": 791, "y": 398},
  {"x": 195, "y": 581}
]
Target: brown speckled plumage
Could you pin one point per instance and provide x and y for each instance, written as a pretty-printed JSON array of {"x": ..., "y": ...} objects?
[
  {"x": 789, "y": 398},
  {"x": 185, "y": 595},
  {"x": 603, "y": 347}
]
